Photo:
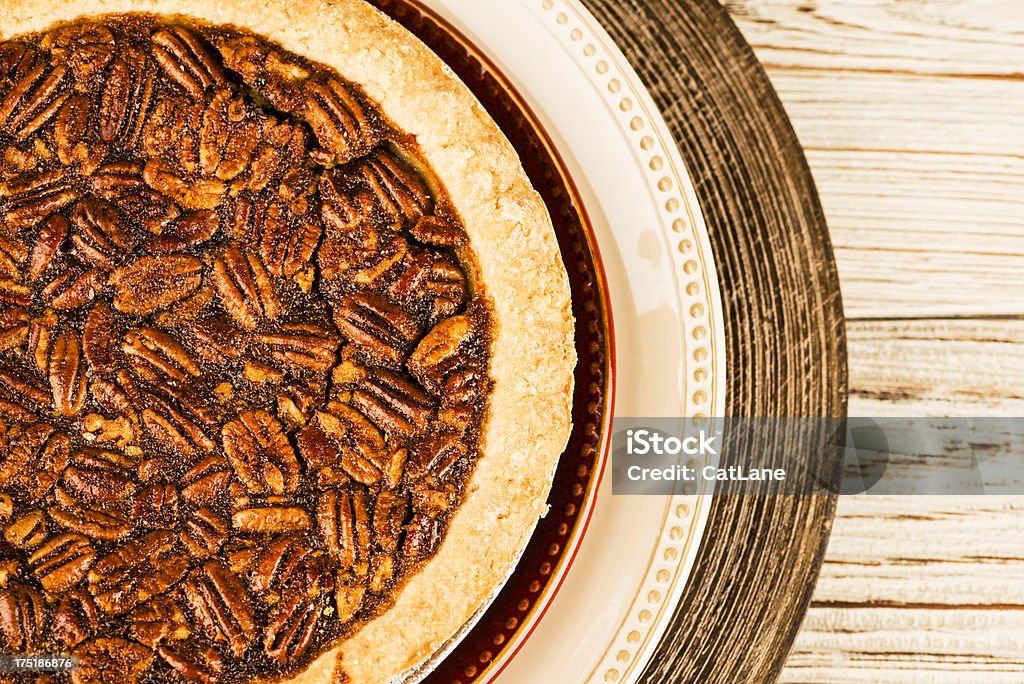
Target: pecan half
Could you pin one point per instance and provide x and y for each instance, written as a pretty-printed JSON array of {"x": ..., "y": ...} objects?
[
  {"x": 75, "y": 618},
  {"x": 394, "y": 403},
  {"x": 276, "y": 563},
  {"x": 194, "y": 661},
  {"x": 13, "y": 253},
  {"x": 438, "y": 353},
  {"x": 447, "y": 285},
  {"x": 434, "y": 230},
  {"x": 344, "y": 526},
  {"x": 186, "y": 232},
  {"x": 206, "y": 481},
  {"x": 110, "y": 659},
  {"x": 91, "y": 48},
  {"x": 71, "y": 130},
  {"x": 399, "y": 191},
  {"x": 158, "y": 621},
  {"x": 100, "y": 477},
  {"x": 101, "y": 236},
  {"x": 22, "y": 618},
  {"x": 62, "y": 561},
  {"x": 74, "y": 288},
  {"x": 178, "y": 424},
  {"x": 436, "y": 457},
  {"x": 221, "y": 605},
  {"x": 157, "y": 356},
  {"x": 14, "y": 327},
  {"x": 378, "y": 328},
  {"x": 286, "y": 247},
  {"x": 388, "y": 518},
  {"x": 245, "y": 288},
  {"x": 291, "y": 627},
  {"x": 90, "y": 522},
  {"x": 137, "y": 571},
  {"x": 187, "y": 60},
  {"x": 302, "y": 347},
  {"x": 363, "y": 446},
  {"x": 40, "y": 336},
  {"x": 99, "y": 340},
  {"x": 155, "y": 282},
  {"x": 260, "y": 453},
  {"x": 343, "y": 126},
  {"x": 200, "y": 193},
  {"x": 51, "y": 235},
  {"x": 67, "y": 376},
  {"x": 228, "y": 137},
  {"x": 126, "y": 100},
  {"x": 156, "y": 506},
  {"x": 27, "y": 531},
  {"x": 36, "y": 459},
  {"x": 35, "y": 92},
  {"x": 30, "y": 199},
  {"x": 423, "y": 536},
  {"x": 204, "y": 533},
  {"x": 271, "y": 520},
  {"x": 214, "y": 340}
]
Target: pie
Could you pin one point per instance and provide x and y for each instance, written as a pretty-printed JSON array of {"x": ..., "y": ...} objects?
[{"x": 286, "y": 343}]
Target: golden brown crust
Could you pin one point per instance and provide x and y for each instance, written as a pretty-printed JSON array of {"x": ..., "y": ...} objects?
[{"x": 511, "y": 235}]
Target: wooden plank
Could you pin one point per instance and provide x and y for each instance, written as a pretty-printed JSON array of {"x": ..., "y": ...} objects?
[
  {"x": 922, "y": 181},
  {"x": 936, "y": 368},
  {"x": 923, "y": 588},
  {"x": 965, "y": 38},
  {"x": 921, "y": 175},
  {"x": 912, "y": 645},
  {"x": 927, "y": 234},
  {"x": 918, "y": 589},
  {"x": 925, "y": 552},
  {"x": 903, "y": 113}
]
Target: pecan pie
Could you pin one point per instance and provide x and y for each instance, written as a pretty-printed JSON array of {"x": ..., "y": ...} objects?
[{"x": 285, "y": 343}]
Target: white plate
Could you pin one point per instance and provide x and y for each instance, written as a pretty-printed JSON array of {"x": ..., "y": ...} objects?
[{"x": 614, "y": 603}]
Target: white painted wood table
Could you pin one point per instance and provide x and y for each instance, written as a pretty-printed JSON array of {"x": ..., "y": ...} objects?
[{"x": 912, "y": 116}]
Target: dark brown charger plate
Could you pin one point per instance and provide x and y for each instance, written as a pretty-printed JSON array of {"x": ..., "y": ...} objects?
[{"x": 785, "y": 341}]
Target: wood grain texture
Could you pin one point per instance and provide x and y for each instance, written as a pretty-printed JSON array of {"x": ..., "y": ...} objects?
[
  {"x": 925, "y": 234},
  {"x": 954, "y": 38},
  {"x": 752, "y": 578},
  {"x": 937, "y": 367},
  {"x": 910, "y": 115},
  {"x": 918, "y": 589}
]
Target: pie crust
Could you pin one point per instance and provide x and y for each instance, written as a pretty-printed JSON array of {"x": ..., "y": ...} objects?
[{"x": 511, "y": 236}]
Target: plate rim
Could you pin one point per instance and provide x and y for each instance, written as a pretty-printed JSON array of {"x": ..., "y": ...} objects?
[{"x": 758, "y": 191}]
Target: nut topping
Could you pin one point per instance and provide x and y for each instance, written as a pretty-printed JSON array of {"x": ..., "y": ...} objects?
[
  {"x": 260, "y": 453},
  {"x": 155, "y": 282},
  {"x": 244, "y": 367},
  {"x": 379, "y": 328},
  {"x": 22, "y": 618},
  {"x": 75, "y": 618},
  {"x": 110, "y": 659},
  {"x": 221, "y": 605},
  {"x": 245, "y": 289},
  {"x": 159, "y": 621},
  {"x": 136, "y": 572},
  {"x": 293, "y": 623},
  {"x": 62, "y": 561}
]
